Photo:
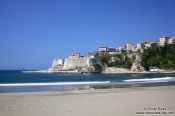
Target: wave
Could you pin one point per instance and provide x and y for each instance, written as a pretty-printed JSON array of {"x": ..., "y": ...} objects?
[
  {"x": 164, "y": 79},
  {"x": 56, "y": 83}
]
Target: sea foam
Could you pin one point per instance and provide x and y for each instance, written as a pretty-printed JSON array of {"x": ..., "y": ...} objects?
[
  {"x": 56, "y": 83},
  {"x": 163, "y": 79}
]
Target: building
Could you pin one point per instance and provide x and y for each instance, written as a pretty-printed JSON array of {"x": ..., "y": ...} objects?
[
  {"x": 171, "y": 40},
  {"x": 157, "y": 43},
  {"x": 164, "y": 40},
  {"x": 103, "y": 49},
  {"x": 147, "y": 44},
  {"x": 134, "y": 48},
  {"x": 119, "y": 48},
  {"x": 91, "y": 54},
  {"x": 112, "y": 50},
  {"x": 140, "y": 46},
  {"x": 57, "y": 62},
  {"x": 73, "y": 62},
  {"x": 81, "y": 62},
  {"x": 153, "y": 44},
  {"x": 129, "y": 46},
  {"x": 74, "y": 56},
  {"x": 167, "y": 40}
]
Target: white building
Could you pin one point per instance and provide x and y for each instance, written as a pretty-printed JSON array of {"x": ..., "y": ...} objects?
[
  {"x": 129, "y": 46},
  {"x": 75, "y": 60},
  {"x": 112, "y": 50},
  {"x": 57, "y": 62},
  {"x": 163, "y": 40},
  {"x": 167, "y": 40},
  {"x": 120, "y": 48},
  {"x": 134, "y": 48},
  {"x": 103, "y": 49},
  {"x": 74, "y": 56},
  {"x": 57, "y": 65},
  {"x": 147, "y": 44},
  {"x": 72, "y": 62},
  {"x": 140, "y": 46},
  {"x": 171, "y": 40}
]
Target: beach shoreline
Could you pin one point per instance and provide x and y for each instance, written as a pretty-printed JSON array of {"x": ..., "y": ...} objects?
[
  {"x": 114, "y": 101},
  {"x": 104, "y": 72}
]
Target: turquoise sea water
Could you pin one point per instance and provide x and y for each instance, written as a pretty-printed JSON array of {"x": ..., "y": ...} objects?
[{"x": 18, "y": 81}]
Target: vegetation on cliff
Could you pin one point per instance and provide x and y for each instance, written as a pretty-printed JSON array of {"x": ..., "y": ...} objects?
[
  {"x": 114, "y": 60},
  {"x": 162, "y": 57}
]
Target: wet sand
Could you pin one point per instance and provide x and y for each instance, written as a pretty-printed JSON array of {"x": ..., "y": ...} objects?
[{"x": 101, "y": 102}]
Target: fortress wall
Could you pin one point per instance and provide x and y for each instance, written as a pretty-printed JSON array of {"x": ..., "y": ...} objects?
[
  {"x": 72, "y": 63},
  {"x": 57, "y": 62},
  {"x": 54, "y": 63}
]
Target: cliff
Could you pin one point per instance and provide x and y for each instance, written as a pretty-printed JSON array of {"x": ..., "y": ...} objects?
[
  {"x": 74, "y": 62},
  {"x": 136, "y": 65}
]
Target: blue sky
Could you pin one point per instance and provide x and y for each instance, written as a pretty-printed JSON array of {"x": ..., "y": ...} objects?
[{"x": 34, "y": 32}]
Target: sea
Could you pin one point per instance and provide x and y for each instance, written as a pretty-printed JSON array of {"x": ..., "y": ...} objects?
[{"x": 19, "y": 81}]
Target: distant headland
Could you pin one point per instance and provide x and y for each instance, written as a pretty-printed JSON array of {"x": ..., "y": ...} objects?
[{"x": 143, "y": 57}]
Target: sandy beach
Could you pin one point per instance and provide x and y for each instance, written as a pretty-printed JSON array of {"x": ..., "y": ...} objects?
[{"x": 111, "y": 102}]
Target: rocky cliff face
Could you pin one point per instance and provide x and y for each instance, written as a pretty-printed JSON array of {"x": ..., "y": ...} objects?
[{"x": 136, "y": 66}]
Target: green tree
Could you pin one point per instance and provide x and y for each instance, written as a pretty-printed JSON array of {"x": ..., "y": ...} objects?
[{"x": 159, "y": 56}]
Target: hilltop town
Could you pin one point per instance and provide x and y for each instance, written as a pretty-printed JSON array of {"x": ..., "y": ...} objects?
[{"x": 126, "y": 58}]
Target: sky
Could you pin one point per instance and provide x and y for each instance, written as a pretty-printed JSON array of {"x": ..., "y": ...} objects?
[{"x": 34, "y": 32}]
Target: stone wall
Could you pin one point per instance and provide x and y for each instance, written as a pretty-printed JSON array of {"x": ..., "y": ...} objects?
[
  {"x": 57, "y": 62},
  {"x": 73, "y": 63}
]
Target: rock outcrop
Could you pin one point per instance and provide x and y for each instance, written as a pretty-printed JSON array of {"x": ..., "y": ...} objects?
[{"x": 136, "y": 66}]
